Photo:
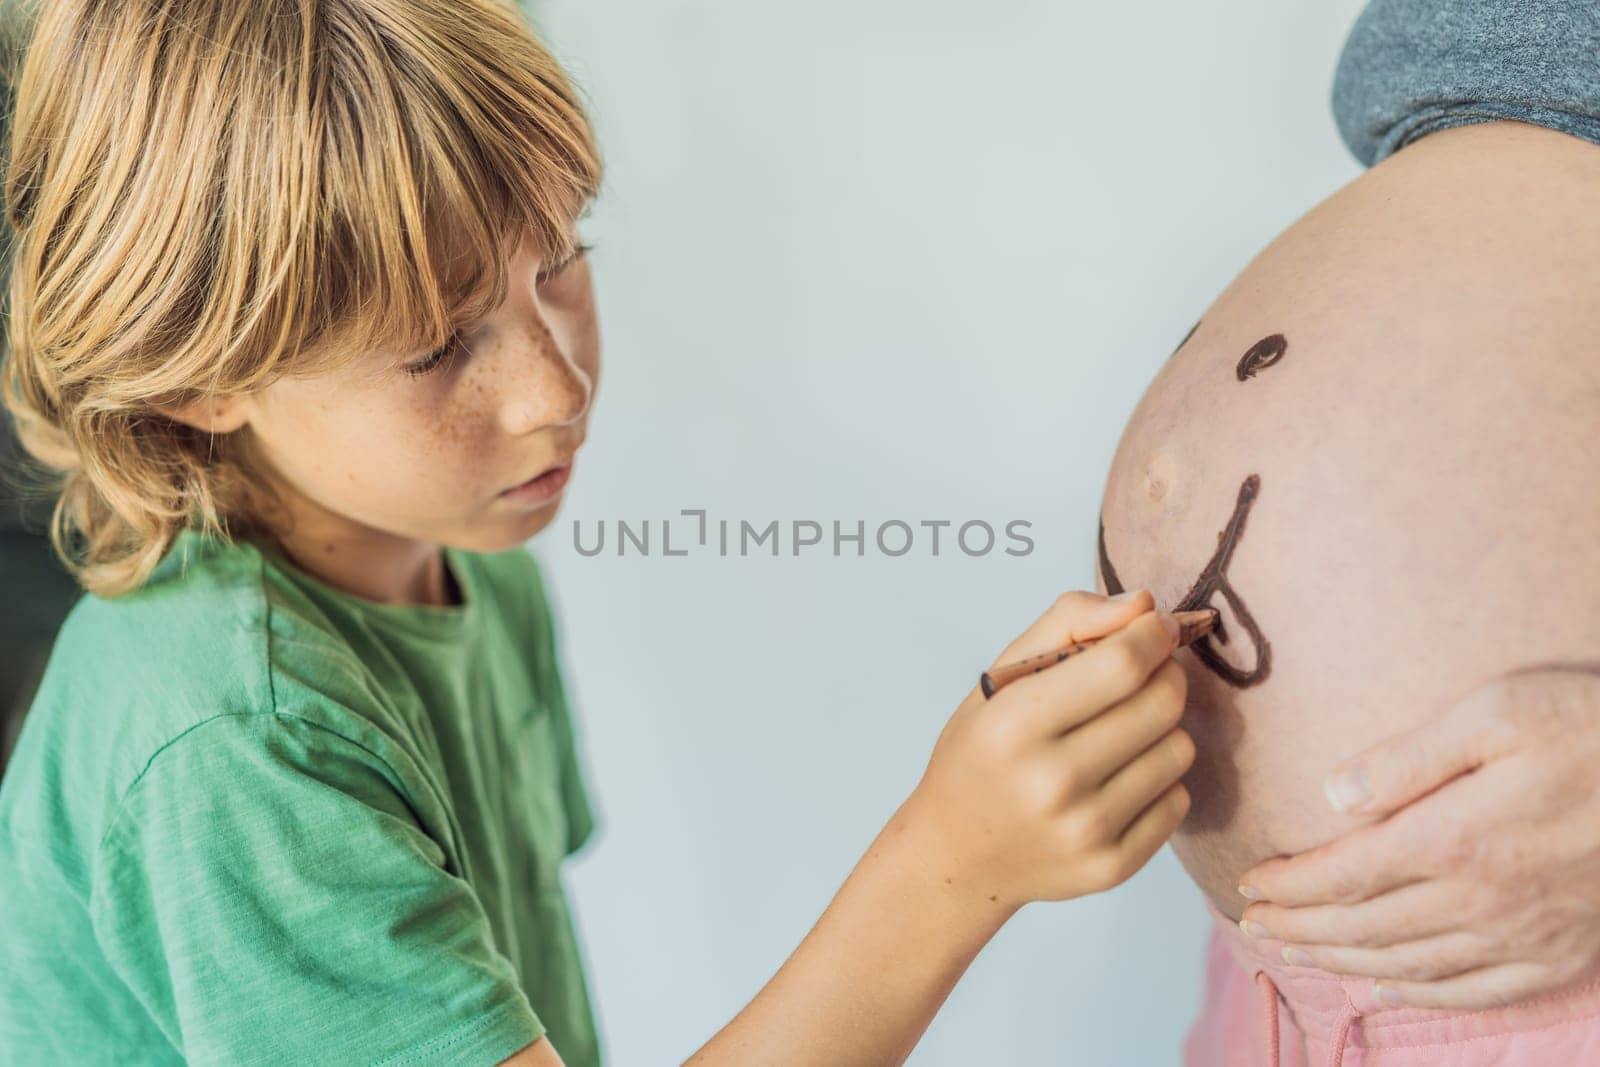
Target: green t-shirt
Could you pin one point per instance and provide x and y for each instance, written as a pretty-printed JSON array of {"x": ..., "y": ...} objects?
[{"x": 254, "y": 819}]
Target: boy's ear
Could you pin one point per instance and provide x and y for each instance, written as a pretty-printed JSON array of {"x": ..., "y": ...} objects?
[{"x": 211, "y": 415}]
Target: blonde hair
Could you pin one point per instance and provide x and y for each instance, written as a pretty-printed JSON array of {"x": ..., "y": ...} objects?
[{"x": 208, "y": 194}]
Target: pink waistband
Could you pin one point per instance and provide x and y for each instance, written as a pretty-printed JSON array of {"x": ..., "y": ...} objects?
[{"x": 1321, "y": 1003}]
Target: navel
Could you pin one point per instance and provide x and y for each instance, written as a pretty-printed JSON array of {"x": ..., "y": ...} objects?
[{"x": 1160, "y": 475}]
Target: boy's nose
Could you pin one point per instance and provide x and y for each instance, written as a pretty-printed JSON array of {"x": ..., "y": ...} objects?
[{"x": 546, "y": 389}]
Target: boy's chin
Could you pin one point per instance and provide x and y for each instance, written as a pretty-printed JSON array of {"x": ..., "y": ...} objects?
[{"x": 503, "y": 535}]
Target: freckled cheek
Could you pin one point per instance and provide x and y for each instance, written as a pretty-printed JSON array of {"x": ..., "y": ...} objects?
[{"x": 457, "y": 441}]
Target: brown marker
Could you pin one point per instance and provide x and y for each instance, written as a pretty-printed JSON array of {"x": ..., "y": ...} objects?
[{"x": 1192, "y": 625}]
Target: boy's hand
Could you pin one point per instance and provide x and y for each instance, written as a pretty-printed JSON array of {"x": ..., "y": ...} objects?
[{"x": 1064, "y": 782}]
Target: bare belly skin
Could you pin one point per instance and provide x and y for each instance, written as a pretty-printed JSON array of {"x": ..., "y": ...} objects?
[{"x": 1416, "y": 459}]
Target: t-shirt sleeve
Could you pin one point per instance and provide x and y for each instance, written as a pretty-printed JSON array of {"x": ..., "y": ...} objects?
[
  {"x": 269, "y": 896},
  {"x": 1411, "y": 67}
]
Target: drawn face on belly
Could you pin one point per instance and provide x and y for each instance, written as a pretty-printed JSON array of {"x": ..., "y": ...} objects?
[
  {"x": 1213, "y": 579},
  {"x": 1403, "y": 499},
  {"x": 1365, "y": 528},
  {"x": 1204, "y": 515}
]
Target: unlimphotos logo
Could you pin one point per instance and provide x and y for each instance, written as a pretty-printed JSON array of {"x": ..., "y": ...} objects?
[{"x": 742, "y": 538}]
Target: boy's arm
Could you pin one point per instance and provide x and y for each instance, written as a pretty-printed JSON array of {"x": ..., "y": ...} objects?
[
  {"x": 1064, "y": 783},
  {"x": 831, "y": 1002},
  {"x": 539, "y": 1054},
  {"x": 880, "y": 962}
]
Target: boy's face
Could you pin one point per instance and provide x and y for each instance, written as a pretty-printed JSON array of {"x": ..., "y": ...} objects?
[{"x": 370, "y": 453}]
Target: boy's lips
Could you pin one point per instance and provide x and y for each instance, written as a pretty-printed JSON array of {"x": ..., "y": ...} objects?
[{"x": 549, "y": 480}]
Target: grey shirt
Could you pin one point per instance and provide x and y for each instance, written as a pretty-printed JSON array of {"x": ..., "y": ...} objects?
[{"x": 1410, "y": 67}]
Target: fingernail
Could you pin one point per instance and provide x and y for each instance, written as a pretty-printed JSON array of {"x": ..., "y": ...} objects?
[
  {"x": 1254, "y": 929},
  {"x": 1348, "y": 789},
  {"x": 1250, "y": 892},
  {"x": 1385, "y": 994},
  {"x": 1296, "y": 956},
  {"x": 1126, "y": 594},
  {"x": 1170, "y": 624}
]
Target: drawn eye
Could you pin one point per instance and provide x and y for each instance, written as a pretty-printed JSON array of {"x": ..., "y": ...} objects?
[{"x": 1264, "y": 353}]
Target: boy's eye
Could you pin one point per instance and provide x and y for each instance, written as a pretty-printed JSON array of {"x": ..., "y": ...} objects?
[
  {"x": 577, "y": 254},
  {"x": 433, "y": 359}
]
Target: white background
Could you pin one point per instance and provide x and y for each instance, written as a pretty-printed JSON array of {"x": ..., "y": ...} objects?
[{"x": 874, "y": 260}]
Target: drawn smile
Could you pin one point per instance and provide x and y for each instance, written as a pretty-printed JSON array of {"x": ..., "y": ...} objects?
[
  {"x": 1213, "y": 580},
  {"x": 1214, "y": 577}
]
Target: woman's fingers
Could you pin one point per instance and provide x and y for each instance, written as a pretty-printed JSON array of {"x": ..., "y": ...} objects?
[
  {"x": 1408, "y": 846},
  {"x": 1420, "y": 909},
  {"x": 1423, "y": 960},
  {"x": 1494, "y": 986}
]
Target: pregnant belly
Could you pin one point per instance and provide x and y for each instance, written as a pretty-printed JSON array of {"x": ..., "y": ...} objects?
[{"x": 1376, "y": 457}]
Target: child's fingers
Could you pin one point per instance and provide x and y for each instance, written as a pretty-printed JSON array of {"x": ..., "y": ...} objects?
[
  {"x": 1075, "y": 616},
  {"x": 1104, "y": 745},
  {"x": 1150, "y": 774},
  {"x": 1152, "y": 829},
  {"x": 1082, "y": 686}
]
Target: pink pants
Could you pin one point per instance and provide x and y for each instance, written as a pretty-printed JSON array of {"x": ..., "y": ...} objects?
[{"x": 1262, "y": 1012}]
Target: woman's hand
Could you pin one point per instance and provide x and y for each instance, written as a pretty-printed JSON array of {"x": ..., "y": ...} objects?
[
  {"x": 1064, "y": 782},
  {"x": 1481, "y": 884}
]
